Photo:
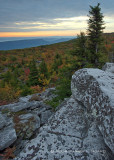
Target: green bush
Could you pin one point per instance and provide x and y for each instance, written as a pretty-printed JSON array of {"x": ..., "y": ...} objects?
[
  {"x": 64, "y": 88},
  {"x": 54, "y": 102},
  {"x": 26, "y": 91},
  {"x": 12, "y": 58}
]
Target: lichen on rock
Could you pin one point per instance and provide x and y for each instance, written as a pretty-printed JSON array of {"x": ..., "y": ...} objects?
[{"x": 83, "y": 127}]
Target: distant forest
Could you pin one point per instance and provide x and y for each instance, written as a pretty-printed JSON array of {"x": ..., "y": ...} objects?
[{"x": 54, "y": 65}]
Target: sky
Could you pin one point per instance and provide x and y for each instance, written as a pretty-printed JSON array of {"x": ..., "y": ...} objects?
[{"x": 33, "y": 18}]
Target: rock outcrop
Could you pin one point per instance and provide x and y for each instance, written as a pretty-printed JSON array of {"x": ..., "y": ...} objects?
[
  {"x": 20, "y": 121},
  {"x": 82, "y": 129},
  {"x": 108, "y": 67},
  {"x": 7, "y": 132},
  {"x": 95, "y": 90}
]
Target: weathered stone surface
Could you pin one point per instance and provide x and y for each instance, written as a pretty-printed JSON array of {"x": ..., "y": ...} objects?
[
  {"x": 94, "y": 88},
  {"x": 7, "y": 137},
  {"x": 2, "y": 121},
  {"x": 23, "y": 118},
  {"x": 25, "y": 99},
  {"x": 26, "y": 125},
  {"x": 48, "y": 94},
  {"x": 16, "y": 107},
  {"x": 36, "y": 97},
  {"x": 7, "y": 131},
  {"x": 45, "y": 116},
  {"x": 109, "y": 67},
  {"x": 67, "y": 135}
]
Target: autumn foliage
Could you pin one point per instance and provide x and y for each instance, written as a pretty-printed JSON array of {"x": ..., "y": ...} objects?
[
  {"x": 32, "y": 70},
  {"x": 8, "y": 153}
]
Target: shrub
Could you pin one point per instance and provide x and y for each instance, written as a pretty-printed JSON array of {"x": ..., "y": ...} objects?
[
  {"x": 35, "y": 98},
  {"x": 54, "y": 102},
  {"x": 26, "y": 90}
]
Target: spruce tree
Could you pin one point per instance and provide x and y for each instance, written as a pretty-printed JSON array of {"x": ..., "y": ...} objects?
[
  {"x": 43, "y": 69},
  {"x": 33, "y": 76},
  {"x": 95, "y": 31},
  {"x": 81, "y": 43},
  {"x": 57, "y": 62}
]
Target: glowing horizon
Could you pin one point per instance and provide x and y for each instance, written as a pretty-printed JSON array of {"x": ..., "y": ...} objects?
[
  {"x": 38, "y": 33},
  {"x": 43, "y": 33}
]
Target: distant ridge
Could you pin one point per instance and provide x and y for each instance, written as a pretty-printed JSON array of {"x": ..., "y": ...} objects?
[{"x": 21, "y": 44}]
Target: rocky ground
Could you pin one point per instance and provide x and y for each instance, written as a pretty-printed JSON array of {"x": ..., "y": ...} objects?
[
  {"x": 20, "y": 122},
  {"x": 80, "y": 129}
]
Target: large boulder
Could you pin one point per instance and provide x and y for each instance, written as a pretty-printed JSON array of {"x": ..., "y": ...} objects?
[
  {"x": 94, "y": 88},
  {"x": 68, "y": 135},
  {"x": 7, "y": 132},
  {"x": 7, "y": 137},
  {"x": 21, "y": 120},
  {"x": 2, "y": 121},
  {"x": 82, "y": 128},
  {"x": 19, "y": 106},
  {"x": 26, "y": 125}
]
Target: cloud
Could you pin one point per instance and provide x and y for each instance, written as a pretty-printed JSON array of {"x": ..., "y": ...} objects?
[
  {"x": 109, "y": 23},
  {"x": 28, "y": 15},
  {"x": 28, "y": 10},
  {"x": 83, "y": 18},
  {"x": 71, "y": 23}
]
